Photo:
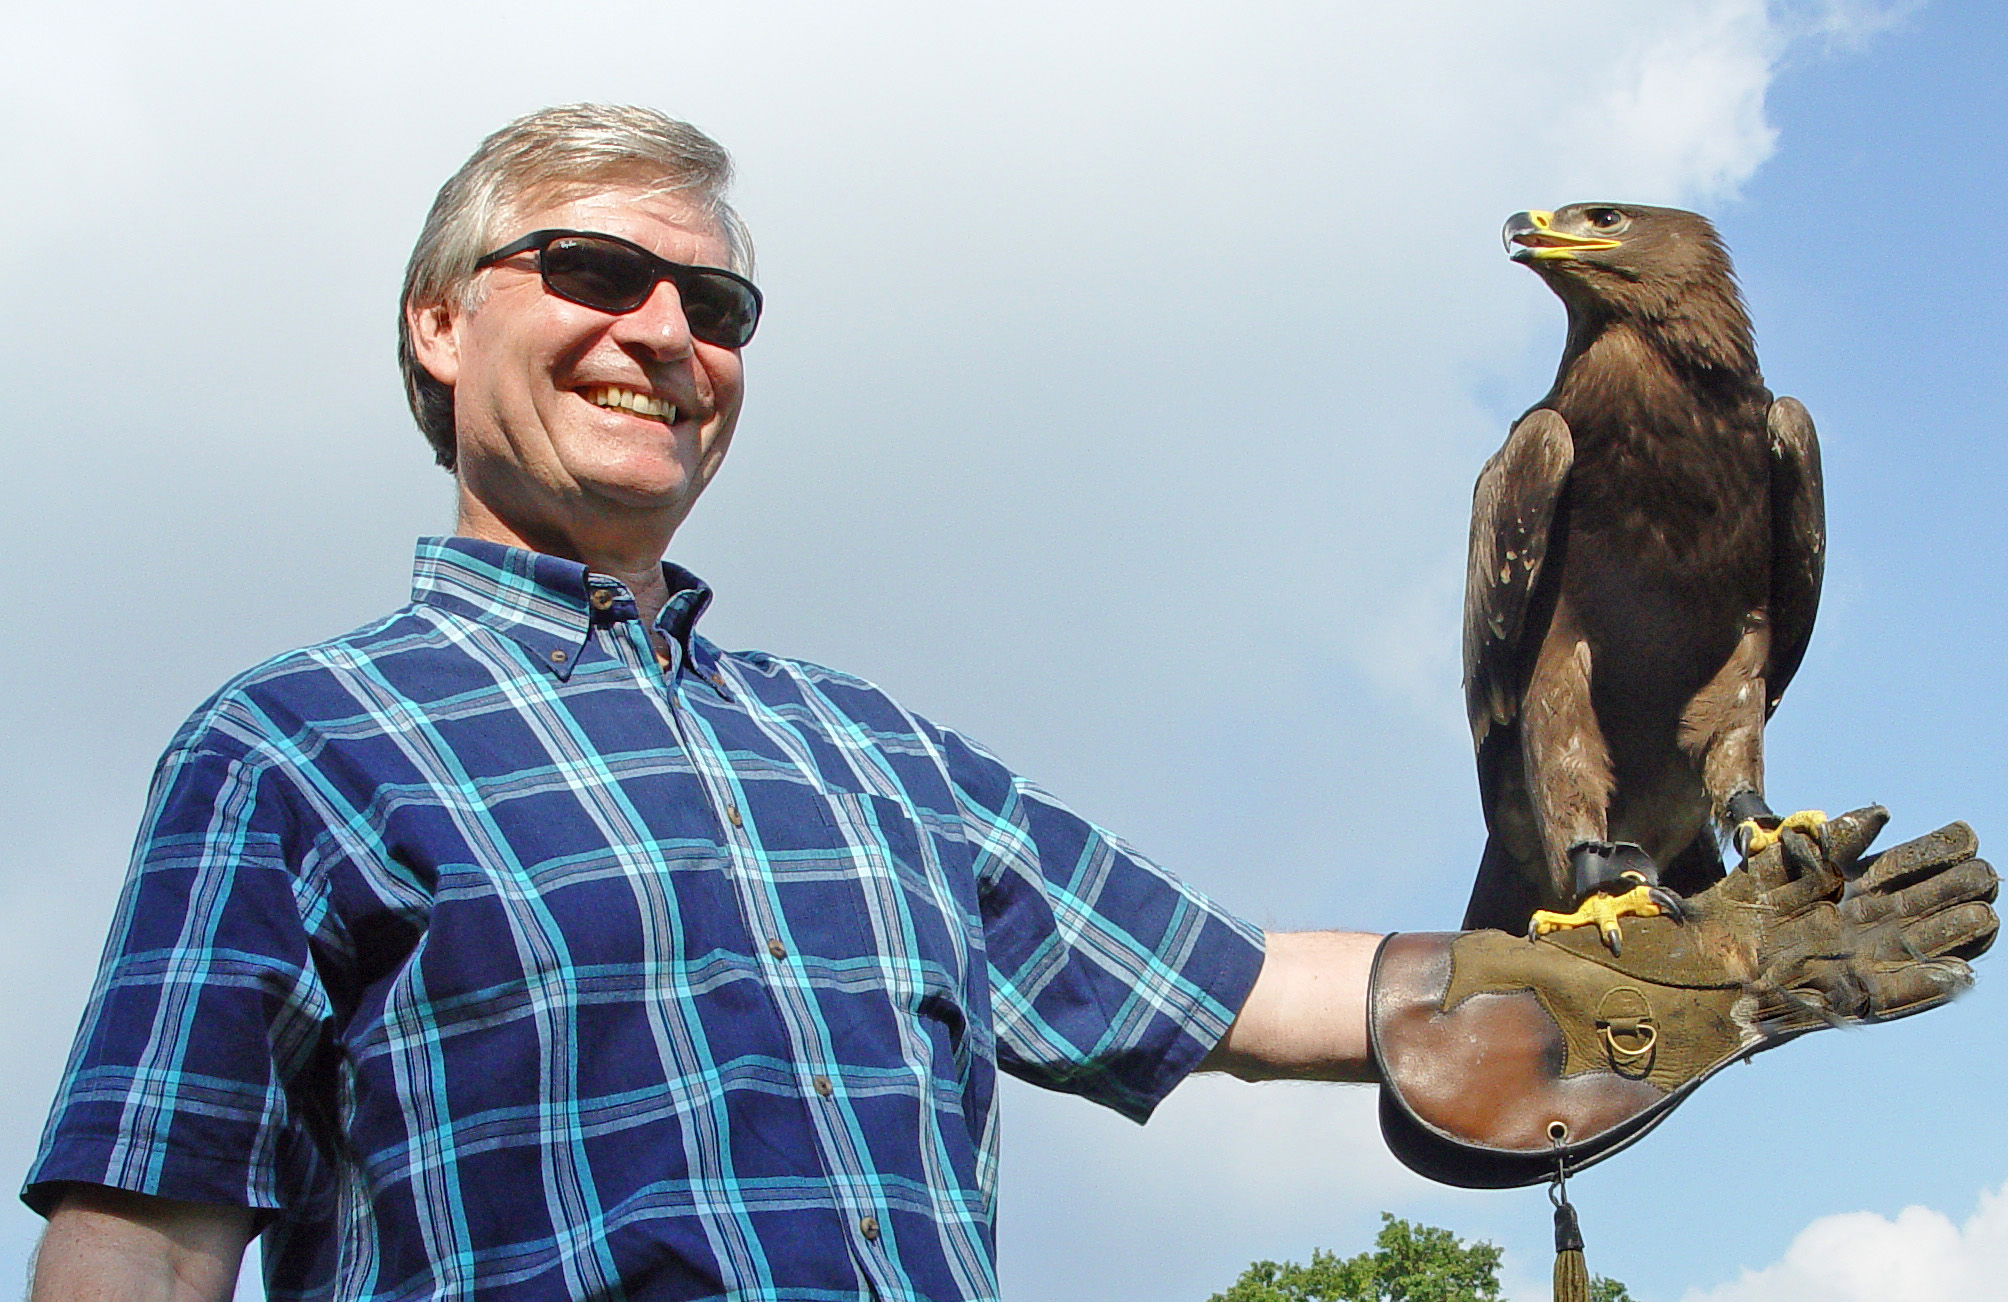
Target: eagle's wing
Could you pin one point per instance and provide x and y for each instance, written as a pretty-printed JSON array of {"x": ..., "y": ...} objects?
[
  {"x": 1511, "y": 512},
  {"x": 1798, "y": 541}
]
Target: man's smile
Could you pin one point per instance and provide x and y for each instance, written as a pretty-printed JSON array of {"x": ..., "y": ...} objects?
[{"x": 621, "y": 398}]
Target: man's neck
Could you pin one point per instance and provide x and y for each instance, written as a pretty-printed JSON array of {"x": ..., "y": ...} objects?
[{"x": 636, "y": 563}]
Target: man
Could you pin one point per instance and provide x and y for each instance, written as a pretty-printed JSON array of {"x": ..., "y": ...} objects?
[{"x": 525, "y": 944}]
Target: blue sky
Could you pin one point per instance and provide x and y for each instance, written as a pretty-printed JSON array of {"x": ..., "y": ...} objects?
[{"x": 1126, "y": 373}]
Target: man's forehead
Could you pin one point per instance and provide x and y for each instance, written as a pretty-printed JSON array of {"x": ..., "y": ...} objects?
[{"x": 649, "y": 198}]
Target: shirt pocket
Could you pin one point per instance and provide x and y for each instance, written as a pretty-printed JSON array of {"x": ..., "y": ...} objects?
[{"x": 918, "y": 908}]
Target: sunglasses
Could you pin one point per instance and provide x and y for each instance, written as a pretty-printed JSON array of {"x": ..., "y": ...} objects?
[{"x": 610, "y": 274}]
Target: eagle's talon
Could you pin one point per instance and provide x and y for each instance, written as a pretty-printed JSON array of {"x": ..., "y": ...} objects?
[
  {"x": 1754, "y": 836},
  {"x": 1603, "y": 911},
  {"x": 1671, "y": 904}
]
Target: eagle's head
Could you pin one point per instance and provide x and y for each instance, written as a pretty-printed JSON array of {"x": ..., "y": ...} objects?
[{"x": 1662, "y": 269}]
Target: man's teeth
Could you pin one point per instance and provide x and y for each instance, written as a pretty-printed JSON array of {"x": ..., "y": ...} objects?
[{"x": 642, "y": 404}]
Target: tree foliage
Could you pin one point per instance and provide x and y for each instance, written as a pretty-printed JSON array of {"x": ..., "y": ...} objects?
[
  {"x": 1608, "y": 1290},
  {"x": 1409, "y": 1263}
]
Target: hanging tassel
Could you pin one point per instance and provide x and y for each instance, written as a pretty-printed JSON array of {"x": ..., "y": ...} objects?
[{"x": 1572, "y": 1276}]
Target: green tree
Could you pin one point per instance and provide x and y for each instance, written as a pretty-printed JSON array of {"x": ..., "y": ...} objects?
[{"x": 1409, "y": 1263}]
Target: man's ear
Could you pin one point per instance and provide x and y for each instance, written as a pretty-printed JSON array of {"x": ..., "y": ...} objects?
[{"x": 435, "y": 342}]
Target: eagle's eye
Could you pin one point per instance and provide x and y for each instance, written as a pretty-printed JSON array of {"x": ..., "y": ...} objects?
[{"x": 1606, "y": 219}]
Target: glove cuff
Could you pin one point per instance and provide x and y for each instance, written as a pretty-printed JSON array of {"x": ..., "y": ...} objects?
[{"x": 1498, "y": 1055}]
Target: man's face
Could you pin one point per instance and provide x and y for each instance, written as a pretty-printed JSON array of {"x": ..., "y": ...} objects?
[{"x": 579, "y": 431}]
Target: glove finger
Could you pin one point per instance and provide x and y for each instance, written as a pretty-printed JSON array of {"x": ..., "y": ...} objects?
[
  {"x": 1825, "y": 990},
  {"x": 1818, "y": 932},
  {"x": 1962, "y": 932},
  {"x": 1803, "y": 857},
  {"x": 1832, "y": 992},
  {"x": 1795, "y": 897},
  {"x": 1845, "y": 838},
  {"x": 1758, "y": 874},
  {"x": 1783, "y": 1012},
  {"x": 1900, "y": 865},
  {"x": 1799, "y": 869},
  {"x": 1915, "y": 987},
  {"x": 1970, "y": 882}
]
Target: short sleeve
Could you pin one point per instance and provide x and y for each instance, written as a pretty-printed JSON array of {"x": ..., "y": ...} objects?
[
  {"x": 1110, "y": 977},
  {"x": 191, "y": 1071}
]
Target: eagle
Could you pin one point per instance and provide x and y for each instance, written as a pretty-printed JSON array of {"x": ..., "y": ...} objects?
[{"x": 1645, "y": 562}]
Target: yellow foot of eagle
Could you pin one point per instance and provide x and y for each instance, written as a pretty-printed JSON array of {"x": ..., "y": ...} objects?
[
  {"x": 1752, "y": 834},
  {"x": 1603, "y": 909}
]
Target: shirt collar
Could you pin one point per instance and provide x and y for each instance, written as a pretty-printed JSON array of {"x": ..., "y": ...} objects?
[{"x": 545, "y": 604}]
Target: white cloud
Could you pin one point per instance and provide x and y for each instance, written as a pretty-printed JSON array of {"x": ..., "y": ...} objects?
[
  {"x": 1841, "y": 24},
  {"x": 1689, "y": 108},
  {"x": 1919, "y": 1256}
]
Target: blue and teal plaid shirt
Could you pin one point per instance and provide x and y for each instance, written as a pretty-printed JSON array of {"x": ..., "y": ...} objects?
[{"x": 491, "y": 959}]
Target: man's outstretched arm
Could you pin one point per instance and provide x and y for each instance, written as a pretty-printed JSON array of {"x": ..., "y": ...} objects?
[
  {"x": 1306, "y": 1018},
  {"x": 107, "y": 1245}
]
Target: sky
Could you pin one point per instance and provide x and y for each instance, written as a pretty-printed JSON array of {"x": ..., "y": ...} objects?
[{"x": 1126, "y": 370}]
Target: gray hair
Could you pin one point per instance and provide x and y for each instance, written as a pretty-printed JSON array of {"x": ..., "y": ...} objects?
[{"x": 547, "y": 157}]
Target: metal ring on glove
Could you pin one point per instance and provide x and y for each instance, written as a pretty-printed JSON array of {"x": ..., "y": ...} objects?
[{"x": 1625, "y": 1011}]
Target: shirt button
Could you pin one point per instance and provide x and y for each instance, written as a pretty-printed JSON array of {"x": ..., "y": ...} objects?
[
  {"x": 823, "y": 1086},
  {"x": 732, "y": 816},
  {"x": 602, "y": 598},
  {"x": 559, "y": 657},
  {"x": 777, "y": 949},
  {"x": 868, "y": 1226},
  {"x": 717, "y": 680}
]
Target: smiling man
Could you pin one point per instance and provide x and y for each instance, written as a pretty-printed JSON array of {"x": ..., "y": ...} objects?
[{"x": 524, "y": 944}]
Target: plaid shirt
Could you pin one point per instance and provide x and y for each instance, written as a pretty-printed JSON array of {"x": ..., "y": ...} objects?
[{"x": 492, "y": 959}]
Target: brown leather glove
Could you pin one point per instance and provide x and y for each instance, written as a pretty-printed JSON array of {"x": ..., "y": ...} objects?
[{"x": 1500, "y": 1056}]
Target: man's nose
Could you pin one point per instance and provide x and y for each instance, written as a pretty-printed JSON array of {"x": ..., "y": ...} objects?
[{"x": 658, "y": 325}]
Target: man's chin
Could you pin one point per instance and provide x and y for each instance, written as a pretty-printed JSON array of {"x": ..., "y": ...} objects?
[{"x": 645, "y": 498}]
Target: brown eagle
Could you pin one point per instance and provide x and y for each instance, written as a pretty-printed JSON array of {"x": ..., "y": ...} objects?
[{"x": 1646, "y": 554}]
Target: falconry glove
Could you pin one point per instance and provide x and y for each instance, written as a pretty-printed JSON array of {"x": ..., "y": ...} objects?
[{"x": 1501, "y": 1057}]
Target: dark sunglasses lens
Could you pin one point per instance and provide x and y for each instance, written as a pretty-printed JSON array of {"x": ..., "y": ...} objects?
[
  {"x": 720, "y": 310},
  {"x": 598, "y": 274},
  {"x": 611, "y": 277}
]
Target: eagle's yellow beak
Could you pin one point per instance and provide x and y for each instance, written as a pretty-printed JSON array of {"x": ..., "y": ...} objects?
[{"x": 1532, "y": 236}]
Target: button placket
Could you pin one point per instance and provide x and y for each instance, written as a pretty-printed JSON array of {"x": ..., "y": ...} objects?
[{"x": 714, "y": 772}]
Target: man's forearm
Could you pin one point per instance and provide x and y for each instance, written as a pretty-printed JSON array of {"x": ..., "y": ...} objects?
[
  {"x": 106, "y": 1245},
  {"x": 1306, "y": 1018}
]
